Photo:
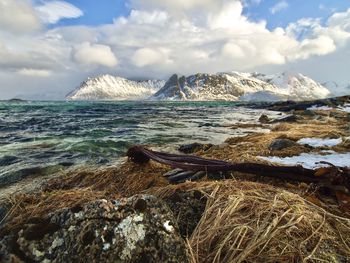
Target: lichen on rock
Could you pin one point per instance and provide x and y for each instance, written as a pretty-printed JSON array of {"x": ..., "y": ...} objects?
[{"x": 136, "y": 229}]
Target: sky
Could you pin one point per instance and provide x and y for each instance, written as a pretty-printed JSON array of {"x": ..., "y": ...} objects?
[{"x": 47, "y": 48}]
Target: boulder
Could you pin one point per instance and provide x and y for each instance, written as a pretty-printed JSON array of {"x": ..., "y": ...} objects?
[
  {"x": 308, "y": 113},
  {"x": 188, "y": 208},
  {"x": 264, "y": 119},
  {"x": 280, "y": 144},
  {"x": 289, "y": 118},
  {"x": 194, "y": 147},
  {"x": 137, "y": 229}
]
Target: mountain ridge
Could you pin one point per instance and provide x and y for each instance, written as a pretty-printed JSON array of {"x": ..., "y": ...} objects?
[
  {"x": 225, "y": 86},
  {"x": 108, "y": 87},
  {"x": 241, "y": 86}
]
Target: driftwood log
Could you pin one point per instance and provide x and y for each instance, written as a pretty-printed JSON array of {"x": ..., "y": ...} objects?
[{"x": 193, "y": 167}]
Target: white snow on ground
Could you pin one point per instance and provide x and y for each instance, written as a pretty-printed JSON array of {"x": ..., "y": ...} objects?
[
  {"x": 317, "y": 142},
  {"x": 320, "y": 108},
  {"x": 345, "y": 108},
  {"x": 311, "y": 160}
]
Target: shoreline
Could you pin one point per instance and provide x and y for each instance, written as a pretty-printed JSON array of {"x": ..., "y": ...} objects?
[{"x": 206, "y": 202}]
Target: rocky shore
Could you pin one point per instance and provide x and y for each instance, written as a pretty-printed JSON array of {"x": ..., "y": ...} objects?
[{"x": 131, "y": 213}]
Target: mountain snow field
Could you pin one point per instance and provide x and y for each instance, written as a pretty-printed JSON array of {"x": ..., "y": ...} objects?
[{"x": 229, "y": 86}]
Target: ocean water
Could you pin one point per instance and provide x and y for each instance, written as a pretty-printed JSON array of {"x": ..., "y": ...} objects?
[{"x": 43, "y": 137}]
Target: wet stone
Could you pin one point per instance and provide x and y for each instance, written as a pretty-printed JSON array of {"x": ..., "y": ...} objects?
[
  {"x": 194, "y": 147},
  {"x": 188, "y": 207},
  {"x": 137, "y": 229},
  {"x": 280, "y": 144},
  {"x": 264, "y": 119},
  {"x": 290, "y": 118}
]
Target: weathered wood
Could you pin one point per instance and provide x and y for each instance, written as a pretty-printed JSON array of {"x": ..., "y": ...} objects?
[{"x": 330, "y": 176}]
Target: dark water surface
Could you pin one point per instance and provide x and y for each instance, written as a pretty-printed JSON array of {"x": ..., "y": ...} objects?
[{"x": 41, "y": 137}]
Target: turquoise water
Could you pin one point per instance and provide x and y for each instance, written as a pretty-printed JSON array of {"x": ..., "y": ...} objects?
[{"x": 43, "y": 136}]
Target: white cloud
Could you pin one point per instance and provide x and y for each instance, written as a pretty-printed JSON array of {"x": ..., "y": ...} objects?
[
  {"x": 52, "y": 12},
  {"x": 18, "y": 16},
  {"x": 94, "y": 55},
  {"x": 34, "y": 72},
  {"x": 281, "y": 5},
  {"x": 149, "y": 56},
  {"x": 156, "y": 42}
]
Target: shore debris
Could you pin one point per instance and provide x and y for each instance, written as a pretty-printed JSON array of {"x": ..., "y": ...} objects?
[{"x": 191, "y": 165}]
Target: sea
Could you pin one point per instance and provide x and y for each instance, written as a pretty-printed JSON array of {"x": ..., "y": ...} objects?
[{"x": 42, "y": 138}]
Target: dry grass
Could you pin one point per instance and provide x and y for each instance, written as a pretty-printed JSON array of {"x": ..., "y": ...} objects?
[
  {"x": 247, "y": 148},
  {"x": 29, "y": 207},
  {"x": 82, "y": 186},
  {"x": 251, "y": 222},
  {"x": 126, "y": 180}
]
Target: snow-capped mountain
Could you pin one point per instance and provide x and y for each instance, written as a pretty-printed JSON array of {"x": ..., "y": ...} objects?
[
  {"x": 229, "y": 86},
  {"x": 337, "y": 89},
  {"x": 241, "y": 86},
  {"x": 107, "y": 87}
]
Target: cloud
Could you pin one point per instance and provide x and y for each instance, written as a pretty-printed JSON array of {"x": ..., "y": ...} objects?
[
  {"x": 18, "y": 16},
  {"x": 34, "y": 72},
  {"x": 53, "y": 11},
  {"x": 281, "y": 5},
  {"x": 94, "y": 55},
  {"x": 149, "y": 56},
  {"x": 155, "y": 42}
]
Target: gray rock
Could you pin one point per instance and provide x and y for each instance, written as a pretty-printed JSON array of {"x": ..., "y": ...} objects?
[
  {"x": 194, "y": 147},
  {"x": 264, "y": 119},
  {"x": 337, "y": 115},
  {"x": 309, "y": 113},
  {"x": 289, "y": 118},
  {"x": 188, "y": 208},
  {"x": 138, "y": 229},
  {"x": 280, "y": 144}
]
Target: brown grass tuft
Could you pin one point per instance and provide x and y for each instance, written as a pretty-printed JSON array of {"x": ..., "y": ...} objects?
[
  {"x": 251, "y": 222},
  {"x": 126, "y": 180}
]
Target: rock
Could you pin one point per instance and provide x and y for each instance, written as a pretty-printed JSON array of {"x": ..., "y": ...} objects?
[
  {"x": 309, "y": 113},
  {"x": 194, "y": 147},
  {"x": 289, "y": 118},
  {"x": 264, "y": 119},
  {"x": 188, "y": 208},
  {"x": 337, "y": 115},
  {"x": 136, "y": 229},
  {"x": 8, "y": 160},
  {"x": 102, "y": 160},
  {"x": 280, "y": 144}
]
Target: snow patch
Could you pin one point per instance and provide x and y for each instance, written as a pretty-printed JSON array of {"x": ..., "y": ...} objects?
[
  {"x": 315, "y": 107},
  {"x": 318, "y": 142},
  {"x": 312, "y": 160},
  {"x": 168, "y": 227},
  {"x": 345, "y": 108}
]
